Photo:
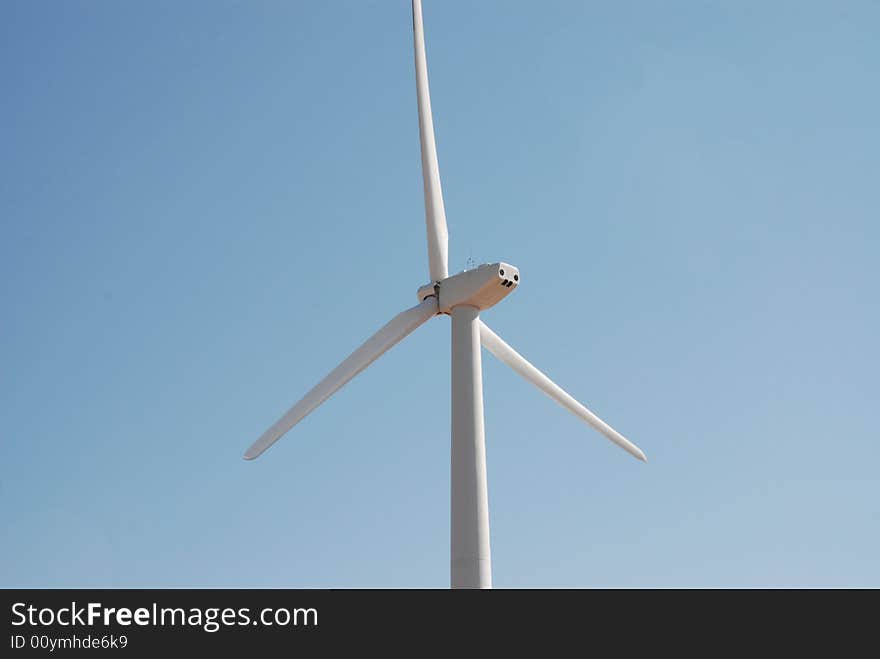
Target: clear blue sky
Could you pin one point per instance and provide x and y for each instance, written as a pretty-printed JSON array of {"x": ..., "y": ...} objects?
[{"x": 206, "y": 205}]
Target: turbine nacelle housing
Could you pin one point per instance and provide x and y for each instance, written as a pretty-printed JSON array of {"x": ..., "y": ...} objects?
[{"x": 482, "y": 287}]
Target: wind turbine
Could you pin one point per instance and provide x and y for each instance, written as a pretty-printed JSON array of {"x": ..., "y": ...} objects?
[{"x": 461, "y": 296}]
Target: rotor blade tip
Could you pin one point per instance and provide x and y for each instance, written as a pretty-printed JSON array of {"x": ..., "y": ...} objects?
[
  {"x": 250, "y": 455},
  {"x": 641, "y": 456}
]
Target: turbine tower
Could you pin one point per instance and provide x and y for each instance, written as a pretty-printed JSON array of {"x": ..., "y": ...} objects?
[{"x": 461, "y": 296}]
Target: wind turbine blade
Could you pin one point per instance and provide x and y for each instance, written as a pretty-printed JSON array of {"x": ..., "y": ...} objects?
[
  {"x": 395, "y": 331},
  {"x": 496, "y": 345},
  {"x": 435, "y": 213}
]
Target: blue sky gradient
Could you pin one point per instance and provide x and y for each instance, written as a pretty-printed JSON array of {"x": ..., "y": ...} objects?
[{"x": 206, "y": 205}]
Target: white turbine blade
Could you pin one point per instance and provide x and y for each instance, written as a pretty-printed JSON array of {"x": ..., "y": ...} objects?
[
  {"x": 395, "y": 331},
  {"x": 496, "y": 345},
  {"x": 435, "y": 214}
]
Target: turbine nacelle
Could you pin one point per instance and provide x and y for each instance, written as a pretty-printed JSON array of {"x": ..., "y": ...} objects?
[{"x": 482, "y": 287}]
